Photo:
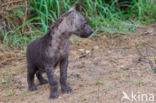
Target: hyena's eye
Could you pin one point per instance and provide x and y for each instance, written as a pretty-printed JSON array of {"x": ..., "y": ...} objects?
[{"x": 83, "y": 25}]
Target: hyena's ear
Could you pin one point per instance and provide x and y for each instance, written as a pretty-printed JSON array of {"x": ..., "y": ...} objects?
[
  {"x": 70, "y": 18},
  {"x": 73, "y": 8},
  {"x": 76, "y": 6}
]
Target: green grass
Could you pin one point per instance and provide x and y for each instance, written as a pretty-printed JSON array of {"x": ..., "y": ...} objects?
[
  {"x": 110, "y": 16},
  {"x": 6, "y": 80},
  {"x": 100, "y": 82},
  {"x": 26, "y": 93},
  {"x": 136, "y": 83},
  {"x": 154, "y": 59}
]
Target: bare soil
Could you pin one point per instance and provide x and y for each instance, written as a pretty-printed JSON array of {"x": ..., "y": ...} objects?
[{"x": 110, "y": 65}]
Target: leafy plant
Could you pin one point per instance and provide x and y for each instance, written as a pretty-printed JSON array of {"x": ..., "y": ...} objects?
[
  {"x": 100, "y": 82},
  {"x": 154, "y": 59},
  {"x": 23, "y": 23}
]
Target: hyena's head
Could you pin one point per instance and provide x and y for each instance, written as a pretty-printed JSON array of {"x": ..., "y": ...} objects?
[{"x": 78, "y": 24}]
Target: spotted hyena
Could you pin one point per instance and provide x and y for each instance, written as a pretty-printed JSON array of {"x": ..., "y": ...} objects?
[{"x": 45, "y": 53}]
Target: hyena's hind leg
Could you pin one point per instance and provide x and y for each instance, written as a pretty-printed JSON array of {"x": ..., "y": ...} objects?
[
  {"x": 40, "y": 78},
  {"x": 30, "y": 77}
]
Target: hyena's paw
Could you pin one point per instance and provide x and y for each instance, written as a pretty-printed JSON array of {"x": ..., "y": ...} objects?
[
  {"x": 44, "y": 81},
  {"x": 32, "y": 88},
  {"x": 54, "y": 95},
  {"x": 66, "y": 89}
]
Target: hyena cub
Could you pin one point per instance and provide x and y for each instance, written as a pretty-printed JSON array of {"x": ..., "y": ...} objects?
[{"x": 43, "y": 54}]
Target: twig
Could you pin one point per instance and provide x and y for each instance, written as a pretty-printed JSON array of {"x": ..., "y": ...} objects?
[
  {"x": 140, "y": 58},
  {"x": 82, "y": 56},
  {"x": 150, "y": 62},
  {"x": 146, "y": 58},
  {"x": 12, "y": 2}
]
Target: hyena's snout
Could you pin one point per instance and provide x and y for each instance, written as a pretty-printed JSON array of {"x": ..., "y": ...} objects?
[{"x": 86, "y": 31}]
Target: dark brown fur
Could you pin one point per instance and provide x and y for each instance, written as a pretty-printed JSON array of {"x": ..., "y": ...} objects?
[{"x": 45, "y": 53}]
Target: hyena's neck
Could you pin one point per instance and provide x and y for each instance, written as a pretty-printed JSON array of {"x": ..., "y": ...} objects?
[
  {"x": 59, "y": 37},
  {"x": 59, "y": 31}
]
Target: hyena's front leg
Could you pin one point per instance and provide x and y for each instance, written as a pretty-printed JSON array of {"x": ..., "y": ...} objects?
[
  {"x": 65, "y": 88},
  {"x": 52, "y": 81}
]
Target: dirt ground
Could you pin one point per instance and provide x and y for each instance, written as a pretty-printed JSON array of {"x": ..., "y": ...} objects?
[{"x": 110, "y": 66}]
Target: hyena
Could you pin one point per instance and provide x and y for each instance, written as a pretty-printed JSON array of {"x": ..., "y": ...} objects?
[{"x": 45, "y": 53}]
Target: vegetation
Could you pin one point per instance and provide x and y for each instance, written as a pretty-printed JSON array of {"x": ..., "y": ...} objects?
[{"x": 22, "y": 22}]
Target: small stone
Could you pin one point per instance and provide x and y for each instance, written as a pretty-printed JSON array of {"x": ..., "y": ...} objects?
[
  {"x": 82, "y": 50},
  {"x": 87, "y": 51},
  {"x": 96, "y": 47}
]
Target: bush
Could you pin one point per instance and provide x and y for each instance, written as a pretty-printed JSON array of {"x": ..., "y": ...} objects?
[{"x": 26, "y": 21}]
